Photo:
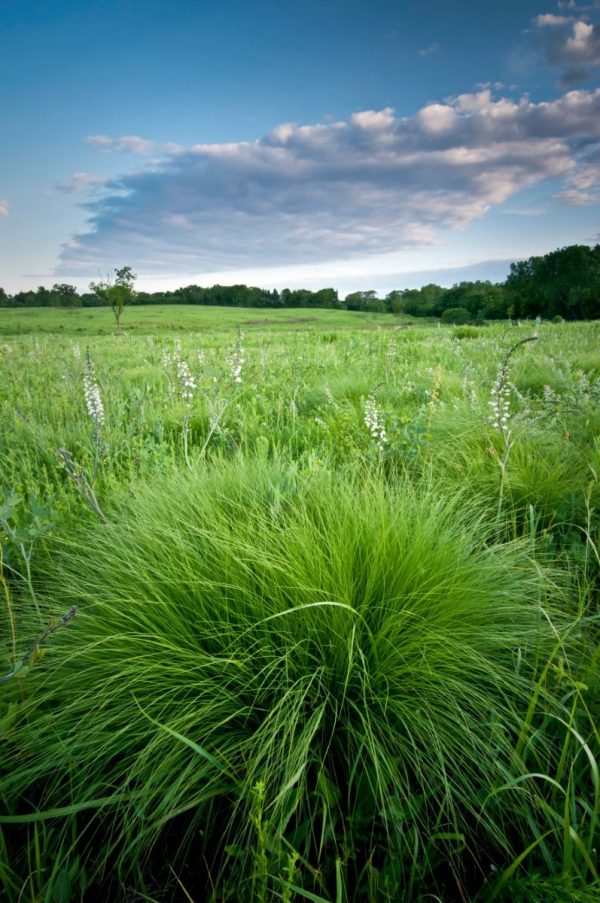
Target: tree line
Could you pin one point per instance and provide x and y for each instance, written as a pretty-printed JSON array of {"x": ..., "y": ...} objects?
[{"x": 562, "y": 284}]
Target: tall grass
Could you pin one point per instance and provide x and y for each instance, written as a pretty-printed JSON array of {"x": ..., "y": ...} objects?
[{"x": 358, "y": 652}]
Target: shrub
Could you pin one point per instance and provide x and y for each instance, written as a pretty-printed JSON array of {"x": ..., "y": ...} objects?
[
  {"x": 466, "y": 332},
  {"x": 456, "y": 315}
]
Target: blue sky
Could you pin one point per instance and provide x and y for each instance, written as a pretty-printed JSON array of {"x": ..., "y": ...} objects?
[{"x": 348, "y": 144}]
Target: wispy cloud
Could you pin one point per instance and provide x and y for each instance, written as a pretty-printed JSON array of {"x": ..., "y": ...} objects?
[
  {"x": 4, "y": 208},
  {"x": 372, "y": 184},
  {"x": 80, "y": 182},
  {"x": 132, "y": 144},
  {"x": 583, "y": 184},
  {"x": 430, "y": 50},
  {"x": 524, "y": 211}
]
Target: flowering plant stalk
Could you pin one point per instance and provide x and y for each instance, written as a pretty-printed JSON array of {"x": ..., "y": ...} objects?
[
  {"x": 184, "y": 387},
  {"x": 500, "y": 403},
  {"x": 95, "y": 408},
  {"x": 237, "y": 358},
  {"x": 374, "y": 423}
]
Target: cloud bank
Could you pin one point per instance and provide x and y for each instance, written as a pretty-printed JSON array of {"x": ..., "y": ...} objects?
[
  {"x": 4, "y": 209},
  {"x": 372, "y": 184}
]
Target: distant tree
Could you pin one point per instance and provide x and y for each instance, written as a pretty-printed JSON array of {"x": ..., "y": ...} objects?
[
  {"x": 191, "y": 294},
  {"x": 23, "y": 299},
  {"x": 424, "y": 302},
  {"x": 118, "y": 294},
  {"x": 4, "y": 299},
  {"x": 327, "y": 297},
  {"x": 495, "y": 303},
  {"x": 44, "y": 298},
  {"x": 298, "y": 297},
  {"x": 366, "y": 300},
  {"x": 63, "y": 295},
  {"x": 275, "y": 299},
  {"x": 395, "y": 302}
]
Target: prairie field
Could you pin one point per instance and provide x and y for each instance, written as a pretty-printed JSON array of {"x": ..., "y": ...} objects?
[
  {"x": 298, "y": 605},
  {"x": 155, "y": 319}
]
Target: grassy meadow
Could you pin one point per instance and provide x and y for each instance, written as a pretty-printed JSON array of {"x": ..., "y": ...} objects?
[
  {"x": 174, "y": 317},
  {"x": 298, "y": 605}
]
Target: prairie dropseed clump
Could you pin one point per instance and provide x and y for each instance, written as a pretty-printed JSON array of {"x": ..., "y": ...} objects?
[
  {"x": 346, "y": 646},
  {"x": 35, "y": 650}
]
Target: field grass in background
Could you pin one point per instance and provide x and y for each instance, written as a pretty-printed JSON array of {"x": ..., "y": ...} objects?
[
  {"x": 337, "y": 627},
  {"x": 182, "y": 317}
]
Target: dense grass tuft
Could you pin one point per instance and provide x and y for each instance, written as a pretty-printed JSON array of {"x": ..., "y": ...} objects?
[{"x": 273, "y": 663}]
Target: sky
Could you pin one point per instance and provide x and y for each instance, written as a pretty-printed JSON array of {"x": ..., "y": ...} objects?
[{"x": 357, "y": 144}]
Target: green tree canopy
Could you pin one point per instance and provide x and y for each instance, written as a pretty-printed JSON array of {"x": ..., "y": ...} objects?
[
  {"x": 118, "y": 293},
  {"x": 563, "y": 283}
]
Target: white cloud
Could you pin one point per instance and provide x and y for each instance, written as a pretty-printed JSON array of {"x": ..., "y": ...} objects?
[
  {"x": 437, "y": 118},
  {"x": 549, "y": 19},
  {"x": 4, "y": 208},
  {"x": 372, "y": 119},
  {"x": 80, "y": 182},
  {"x": 373, "y": 184}
]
